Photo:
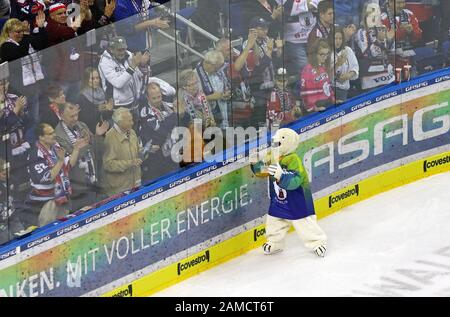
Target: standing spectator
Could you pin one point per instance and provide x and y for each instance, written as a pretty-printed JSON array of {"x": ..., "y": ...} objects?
[
  {"x": 14, "y": 121},
  {"x": 347, "y": 12},
  {"x": 57, "y": 28},
  {"x": 345, "y": 65},
  {"x": 265, "y": 9},
  {"x": 407, "y": 30},
  {"x": 26, "y": 74},
  {"x": 120, "y": 74},
  {"x": 122, "y": 156},
  {"x": 299, "y": 20},
  {"x": 25, "y": 10},
  {"x": 94, "y": 17},
  {"x": 260, "y": 65},
  {"x": 373, "y": 44},
  {"x": 281, "y": 106},
  {"x": 64, "y": 62},
  {"x": 83, "y": 175},
  {"x": 49, "y": 167},
  {"x": 242, "y": 101},
  {"x": 316, "y": 89},
  {"x": 9, "y": 218},
  {"x": 444, "y": 29},
  {"x": 325, "y": 24},
  {"x": 191, "y": 101},
  {"x": 94, "y": 107},
  {"x": 157, "y": 120},
  {"x": 215, "y": 84},
  {"x": 138, "y": 22}
]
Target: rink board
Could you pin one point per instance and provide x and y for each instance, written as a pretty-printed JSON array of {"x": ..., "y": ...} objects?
[
  {"x": 201, "y": 217},
  {"x": 254, "y": 238}
]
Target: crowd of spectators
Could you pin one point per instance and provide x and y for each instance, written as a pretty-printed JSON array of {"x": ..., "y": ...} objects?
[{"x": 88, "y": 122}]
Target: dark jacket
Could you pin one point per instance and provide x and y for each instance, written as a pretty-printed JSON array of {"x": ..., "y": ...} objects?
[{"x": 10, "y": 52}]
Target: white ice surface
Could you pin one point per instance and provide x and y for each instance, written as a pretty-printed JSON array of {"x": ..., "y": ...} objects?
[{"x": 393, "y": 244}]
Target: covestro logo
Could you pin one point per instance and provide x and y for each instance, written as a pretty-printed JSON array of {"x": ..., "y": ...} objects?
[
  {"x": 435, "y": 163},
  {"x": 127, "y": 292},
  {"x": 349, "y": 193},
  {"x": 183, "y": 266}
]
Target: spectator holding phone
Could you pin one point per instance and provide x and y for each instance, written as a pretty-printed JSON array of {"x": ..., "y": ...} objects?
[{"x": 263, "y": 55}]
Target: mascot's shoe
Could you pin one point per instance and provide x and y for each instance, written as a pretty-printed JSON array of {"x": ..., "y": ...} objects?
[
  {"x": 320, "y": 251},
  {"x": 270, "y": 249}
]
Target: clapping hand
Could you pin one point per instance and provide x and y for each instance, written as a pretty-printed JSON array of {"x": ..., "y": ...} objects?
[
  {"x": 102, "y": 128},
  {"x": 81, "y": 143},
  {"x": 136, "y": 60},
  {"x": 20, "y": 103},
  {"x": 252, "y": 36},
  {"x": 61, "y": 154},
  {"x": 110, "y": 6},
  {"x": 279, "y": 42},
  {"x": 270, "y": 44},
  {"x": 40, "y": 19}
]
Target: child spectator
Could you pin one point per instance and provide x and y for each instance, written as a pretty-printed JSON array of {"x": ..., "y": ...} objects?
[{"x": 316, "y": 89}]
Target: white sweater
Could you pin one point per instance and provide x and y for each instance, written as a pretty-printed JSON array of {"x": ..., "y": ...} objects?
[
  {"x": 126, "y": 87},
  {"x": 350, "y": 65}
]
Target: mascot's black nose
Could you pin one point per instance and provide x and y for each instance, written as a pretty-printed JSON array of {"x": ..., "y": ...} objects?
[{"x": 276, "y": 144}]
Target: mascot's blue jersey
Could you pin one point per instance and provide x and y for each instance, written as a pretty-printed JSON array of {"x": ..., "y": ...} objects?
[{"x": 291, "y": 197}]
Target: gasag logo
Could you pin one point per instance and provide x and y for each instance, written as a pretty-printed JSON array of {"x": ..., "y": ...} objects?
[
  {"x": 349, "y": 193},
  {"x": 183, "y": 266}
]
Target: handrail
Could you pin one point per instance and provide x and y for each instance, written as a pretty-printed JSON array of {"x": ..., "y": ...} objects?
[
  {"x": 170, "y": 37},
  {"x": 193, "y": 26}
]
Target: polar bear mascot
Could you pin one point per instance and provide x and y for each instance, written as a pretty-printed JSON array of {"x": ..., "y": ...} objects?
[{"x": 290, "y": 196}]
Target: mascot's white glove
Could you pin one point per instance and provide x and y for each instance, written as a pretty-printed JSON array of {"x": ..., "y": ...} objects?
[{"x": 276, "y": 171}]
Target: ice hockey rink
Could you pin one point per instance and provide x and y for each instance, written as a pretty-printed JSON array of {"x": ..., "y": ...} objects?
[{"x": 393, "y": 244}]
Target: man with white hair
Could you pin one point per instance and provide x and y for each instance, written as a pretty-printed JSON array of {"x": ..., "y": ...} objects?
[
  {"x": 215, "y": 84},
  {"x": 121, "y": 158}
]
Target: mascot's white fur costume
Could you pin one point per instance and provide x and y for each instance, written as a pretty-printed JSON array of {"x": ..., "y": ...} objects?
[{"x": 290, "y": 194}]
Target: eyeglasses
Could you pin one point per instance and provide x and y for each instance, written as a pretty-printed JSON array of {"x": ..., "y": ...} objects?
[
  {"x": 323, "y": 54},
  {"x": 18, "y": 31}
]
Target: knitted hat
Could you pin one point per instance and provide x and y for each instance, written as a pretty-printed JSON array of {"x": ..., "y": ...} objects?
[{"x": 56, "y": 7}]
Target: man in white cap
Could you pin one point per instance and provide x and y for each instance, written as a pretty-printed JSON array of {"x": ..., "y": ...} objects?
[{"x": 120, "y": 74}]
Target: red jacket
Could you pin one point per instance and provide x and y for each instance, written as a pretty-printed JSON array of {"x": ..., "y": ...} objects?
[
  {"x": 58, "y": 33},
  {"x": 60, "y": 65},
  {"x": 315, "y": 86},
  {"x": 409, "y": 17},
  {"x": 280, "y": 111}
]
